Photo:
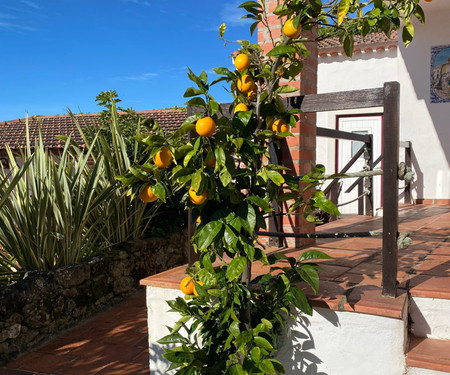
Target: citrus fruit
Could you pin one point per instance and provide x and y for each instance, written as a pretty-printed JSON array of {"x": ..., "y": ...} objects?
[
  {"x": 251, "y": 95},
  {"x": 245, "y": 83},
  {"x": 280, "y": 126},
  {"x": 210, "y": 160},
  {"x": 187, "y": 285},
  {"x": 240, "y": 107},
  {"x": 147, "y": 195},
  {"x": 289, "y": 29},
  {"x": 163, "y": 158},
  {"x": 241, "y": 62},
  {"x": 199, "y": 220},
  {"x": 197, "y": 199},
  {"x": 205, "y": 127},
  {"x": 199, "y": 283}
]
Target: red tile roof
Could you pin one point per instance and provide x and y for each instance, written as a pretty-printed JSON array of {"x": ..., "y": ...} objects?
[
  {"x": 13, "y": 132},
  {"x": 373, "y": 38}
]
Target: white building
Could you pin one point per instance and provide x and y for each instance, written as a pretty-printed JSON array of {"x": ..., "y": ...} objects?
[{"x": 424, "y": 110}]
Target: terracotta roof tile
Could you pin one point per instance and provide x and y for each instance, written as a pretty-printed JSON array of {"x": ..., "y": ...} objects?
[
  {"x": 373, "y": 38},
  {"x": 13, "y": 132}
]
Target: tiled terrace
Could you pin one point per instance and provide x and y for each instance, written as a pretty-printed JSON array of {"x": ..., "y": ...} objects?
[{"x": 115, "y": 342}]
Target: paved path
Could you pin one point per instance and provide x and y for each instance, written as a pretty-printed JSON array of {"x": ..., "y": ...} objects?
[{"x": 113, "y": 343}]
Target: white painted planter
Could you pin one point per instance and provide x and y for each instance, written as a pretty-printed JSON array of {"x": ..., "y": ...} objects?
[{"x": 330, "y": 342}]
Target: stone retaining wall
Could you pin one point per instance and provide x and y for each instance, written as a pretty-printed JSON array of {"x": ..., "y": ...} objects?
[{"x": 41, "y": 305}]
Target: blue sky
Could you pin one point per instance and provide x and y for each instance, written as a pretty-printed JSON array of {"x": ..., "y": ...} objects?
[{"x": 62, "y": 53}]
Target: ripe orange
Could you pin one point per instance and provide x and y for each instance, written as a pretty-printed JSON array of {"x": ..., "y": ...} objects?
[
  {"x": 163, "y": 158},
  {"x": 245, "y": 84},
  {"x": 280, "y": 126},
  {"x": 199, "y": 283},
  {"x": 290, "y": 31},
  {"x": 241, "y": 62},
  {"x": 210, "y": 160},
  {"x": 187, "y": 285},
  {"x": 147, "y": 195},
  {"x": 205, "y": 127},
  {"x": 240, "y": 107},
  {"x": 197, "y": 199},
  {"x": 251, "y": 95},
  {"x": 199, "y": 220}
]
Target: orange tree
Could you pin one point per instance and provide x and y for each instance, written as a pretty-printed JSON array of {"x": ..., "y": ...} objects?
[{"x": 231, "y": 323}]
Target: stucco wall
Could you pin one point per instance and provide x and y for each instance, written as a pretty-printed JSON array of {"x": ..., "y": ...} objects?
[{"x": 425, "y": 124}]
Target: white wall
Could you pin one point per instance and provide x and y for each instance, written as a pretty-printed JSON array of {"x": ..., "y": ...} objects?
[
  {"x": 339, "y": 73},
  {"x": 425, "y": 124}
]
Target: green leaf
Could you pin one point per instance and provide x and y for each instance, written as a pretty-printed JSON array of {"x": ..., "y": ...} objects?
[
  {"x": 224, "y": 72},
  {"x": 263, "y": 343},
  {"x": 213, "y": 107},
  {"x": 420, "y": 15},
  {"x": 236, "y": 370},
  {"x": 247, "y": 215},
  {"x": 219, "y": 153},
  {"x": 408, "y": 33},
  {"x": 280, "y": 51},
  {"x": 261, "y": 202},
  {"x": 159, "y": 191},
  {"x": 225, "y": 177},
  {"x": 191, "y": 91},
  {"x": 197, "y": 102},
  {"x": 196, "y": 181},
  {"x": 343, "y": 8},
  {"x": 301, "y": 301},
  {"x": 327, "y": 206},
  {"x": 173, "y": 338},
  {"x": 313, "y": 254},
  {"x": 267, "y": 367},
  {"x": 208, "y": 233},
  {"x": 316, "y": 5},
  {"x": 348, "y": 45},
  {"x": 255, "y": 353},
  {"x": 236, "y": 267},
  {"x": 222, "y": 29},
  {"x": 309, "y": 274},
  {"x": 276, "y": 177},
  {"x": 178, "y": 356},
  {"x": 285, "y": 89}
]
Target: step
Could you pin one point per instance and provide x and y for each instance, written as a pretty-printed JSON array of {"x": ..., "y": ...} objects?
[
  {"x": 430, "y": 307},
  {"x": 428, "y": 356}
]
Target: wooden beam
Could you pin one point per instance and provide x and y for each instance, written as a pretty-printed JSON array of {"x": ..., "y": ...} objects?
[
  {"x": 338, "y": 100},
  {"x": 390, "y": 186}
]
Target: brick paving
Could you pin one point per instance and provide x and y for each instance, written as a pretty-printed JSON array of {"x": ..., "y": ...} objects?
[{"x": 115, "y": 342}]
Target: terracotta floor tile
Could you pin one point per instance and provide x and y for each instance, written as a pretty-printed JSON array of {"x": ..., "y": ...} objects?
[
  {"x": 6, "y": 371},
  {"x": 124, "y": 337},
  {"x": 142, "y": 358},
  {"x": 119, "y": 353},
  {"x": 429, "y": 286},
  {"x": 119, "y": 368},
  {"x": 85, "y": 366},
  {"x": 41, "y": 362},
  {"x": 429, "y": 353},
  {"x": 330, "y": 272},
  {"x": 438, "y": 265},
  {"x": 368, "y": 299},
  {"x": 61, "y": 346}
]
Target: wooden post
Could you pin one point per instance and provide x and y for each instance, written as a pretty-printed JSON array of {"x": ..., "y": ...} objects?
[
  {"x": 369, "y": 180},
  {"x": 390, "y": 187},
  {"x": 360, "y": 201},
  {"x": 408, "y": 163}
]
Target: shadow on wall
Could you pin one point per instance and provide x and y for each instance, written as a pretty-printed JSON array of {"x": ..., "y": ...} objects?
[
  {"x": 298, "y": 351},
  {"x": 417, "y": 59}
]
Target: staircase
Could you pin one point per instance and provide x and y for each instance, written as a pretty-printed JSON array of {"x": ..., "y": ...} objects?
[{"x": 429, "y": 339}]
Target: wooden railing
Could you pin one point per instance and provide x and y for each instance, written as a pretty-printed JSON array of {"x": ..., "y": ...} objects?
[{"x": 388, "y": 98}]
